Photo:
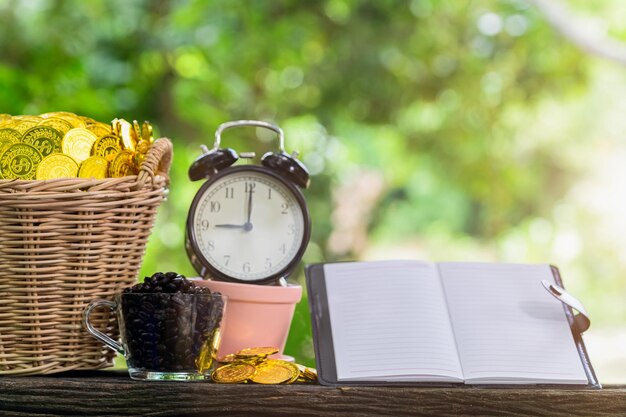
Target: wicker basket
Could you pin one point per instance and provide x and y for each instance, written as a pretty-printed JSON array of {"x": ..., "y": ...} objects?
[{"x": 63, "y": 243}]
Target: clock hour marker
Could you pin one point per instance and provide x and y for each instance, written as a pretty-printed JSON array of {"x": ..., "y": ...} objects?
[{"x": 250, "y": 186}]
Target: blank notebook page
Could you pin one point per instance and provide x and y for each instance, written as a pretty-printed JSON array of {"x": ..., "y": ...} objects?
[
  {"x": 508, "y": 328},
  {"x": 389, "y": 322}
]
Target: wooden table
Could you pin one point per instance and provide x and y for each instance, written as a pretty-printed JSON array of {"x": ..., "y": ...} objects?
[{"x": 109, "y": 393}]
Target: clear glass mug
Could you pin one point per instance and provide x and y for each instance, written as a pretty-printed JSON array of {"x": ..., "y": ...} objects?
[{"x": 164, "y": 336}]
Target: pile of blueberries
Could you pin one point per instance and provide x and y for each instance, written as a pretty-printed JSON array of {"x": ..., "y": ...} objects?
[{"x": 166, "y": 322}]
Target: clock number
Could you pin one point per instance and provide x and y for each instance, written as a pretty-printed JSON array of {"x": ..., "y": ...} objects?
[
  {"x": 211, "y": 245},
  {"x": 215, "y": 206},
  {"x": 246, "y": 267},
  {"x": 230, "y": 192},
  {"x": 283, "y": 248},
  {"x": 226, "y": 260},
  {"x": 291, "y": 229},
  {"x": 284, "y": 207},
  {"x": 250, "y": 187},
  {"x": 268, "y": 263},
  {"x": 204, "y": 224},
  {"x": 269, "y": 193}
]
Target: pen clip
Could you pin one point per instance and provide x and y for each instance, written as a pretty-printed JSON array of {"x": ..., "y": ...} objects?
[{"x": 582, "y": 318}]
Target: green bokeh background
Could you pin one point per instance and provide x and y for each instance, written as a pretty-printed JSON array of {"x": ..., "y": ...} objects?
[{"x": 437, "y": 130}]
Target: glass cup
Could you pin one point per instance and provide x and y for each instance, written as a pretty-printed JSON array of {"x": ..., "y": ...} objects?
[{"x": 164, "y": 336}]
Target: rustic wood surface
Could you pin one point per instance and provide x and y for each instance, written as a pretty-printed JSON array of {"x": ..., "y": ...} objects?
[{"x": 107, "y": 393}]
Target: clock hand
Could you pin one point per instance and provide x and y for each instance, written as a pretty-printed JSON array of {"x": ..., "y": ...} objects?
[
  {"x": 231, "y": 226},
  {"x": 248, "y": 224}
]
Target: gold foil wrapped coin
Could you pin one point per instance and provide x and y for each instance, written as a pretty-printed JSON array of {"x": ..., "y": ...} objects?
[
  {"x": 107, "y": 147},
  {"x": 44, "y": 138},
  {"x": 146, "y": 132},
  {"x": 94, "y": 167},
  {"x": 77, "y": 143},
  {"x": 122, "y": 165},
  {"x": 22, "y": 125},
  {"x": 274, "y": 371},
  {"x": 127, "y": 133},
  {"x": 99, "y": 129},
  {"x": 20, "y": 162},
  {"x": 57, "y": 165},
  {"x": 8, "y": 137},
  {"x": 58, "y": 124},
  {"x": 71, "y": 118},
  {"x": 233, "y": 373},
  {"x": 137, "y": 135}
]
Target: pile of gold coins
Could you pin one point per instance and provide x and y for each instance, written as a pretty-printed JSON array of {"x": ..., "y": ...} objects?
[
  {"x": 253, "y": 365},
  {"x": 65, "y": 145}
]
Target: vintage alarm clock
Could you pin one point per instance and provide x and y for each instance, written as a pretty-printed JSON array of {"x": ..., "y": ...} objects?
[{"x": 247, "y": 223}]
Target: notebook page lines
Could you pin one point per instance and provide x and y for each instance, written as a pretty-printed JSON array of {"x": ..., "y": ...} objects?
[
  {"x": 507, "y": 326},
  {"x": 388, "y": 319}
]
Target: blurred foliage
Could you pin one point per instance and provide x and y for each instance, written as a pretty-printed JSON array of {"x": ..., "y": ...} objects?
[{"x": 463, "y": 113}]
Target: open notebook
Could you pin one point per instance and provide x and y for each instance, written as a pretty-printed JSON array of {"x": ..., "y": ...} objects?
[{"x": 472, "y": 323}]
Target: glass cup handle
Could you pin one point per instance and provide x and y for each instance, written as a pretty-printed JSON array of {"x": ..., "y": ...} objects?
[{"x": 110, "y": 343}]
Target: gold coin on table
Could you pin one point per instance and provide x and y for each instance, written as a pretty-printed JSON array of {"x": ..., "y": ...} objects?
[
  {"x": 228, "y": 358},
  {"x": 94, "y": 167},
  {"x": 122, "y": 165},
  {"x": 20, "y": 162},
  {"x": 310, "y": 374},
  {"x": 107, "y": 147},
  {"x": 46, "y": 139},
  {"x": 274, "y": 371},
  {"x": 60, "y": 125},
  {"x": 127, "y": 134},
  {"x": 57, "y": 165},
  {"x": 257, "y": 351},
  {"x": 233, "y": 373},
  {"x": 8, "y": 137},
  {"x": 100, "y": 129},
  {"x": 77, "y": 143}
]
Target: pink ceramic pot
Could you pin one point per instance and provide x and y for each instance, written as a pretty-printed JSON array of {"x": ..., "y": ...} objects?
[{"x": 256, "y": 315}]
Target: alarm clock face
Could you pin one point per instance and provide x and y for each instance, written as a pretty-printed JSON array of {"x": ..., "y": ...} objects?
[{"x": 248, "y": 224}]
